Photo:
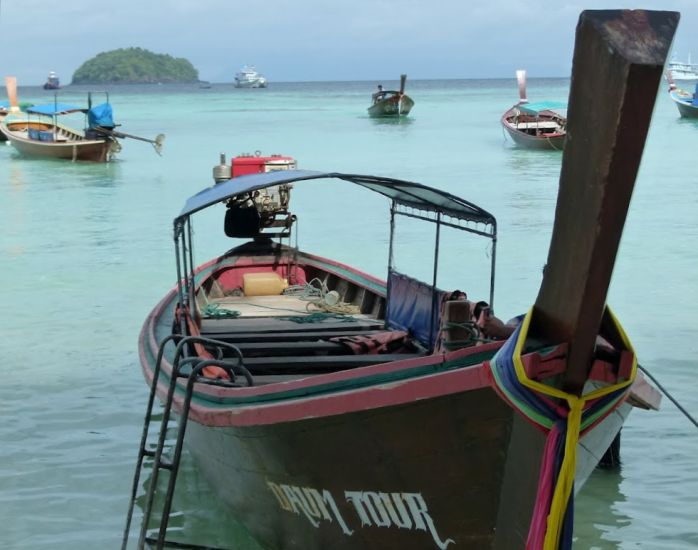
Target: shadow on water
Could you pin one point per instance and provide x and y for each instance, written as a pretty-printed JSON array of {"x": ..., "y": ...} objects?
[
  {"x": 390, "y": 121},
  {"x": 533, "y": 164},
  {"x": 598, "y": 504},
  {"x": 42, "y": 171},
  {"x": 688, "y": 123},
  {"x": 197, "y": 517}
]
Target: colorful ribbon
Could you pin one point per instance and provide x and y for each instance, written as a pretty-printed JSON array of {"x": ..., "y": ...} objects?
[{"x": 563, "y": 422}]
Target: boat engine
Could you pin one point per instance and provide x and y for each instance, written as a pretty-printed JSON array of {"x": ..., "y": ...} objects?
[{"x": 261, "y": 213}]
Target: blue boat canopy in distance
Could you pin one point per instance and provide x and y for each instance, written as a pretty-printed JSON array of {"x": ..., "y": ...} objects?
[
  {"x": 695, "y": 96},
  {"x": 409, "y": 194},
  {"x": 100, "y": 115},
  {"x": 51, "y": 109},
  {"x": 539, "y": 106}
]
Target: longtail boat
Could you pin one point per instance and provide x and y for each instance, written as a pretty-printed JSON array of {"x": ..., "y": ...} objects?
[
  {"x": 538, "y": 125},
  {"x": 329, "y": 408},
  {"x": 391, "y": 103},
  {"x": 686, "y": 102},
  {"x": 41, "y": 132}
]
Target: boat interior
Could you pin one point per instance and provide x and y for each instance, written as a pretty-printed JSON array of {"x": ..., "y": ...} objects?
[
  {"x": 284, "y": 313},
  {"x": 537, "y": 125},
  {"x": 44, "y": 131},
  {"x": 290, "y": 318}
]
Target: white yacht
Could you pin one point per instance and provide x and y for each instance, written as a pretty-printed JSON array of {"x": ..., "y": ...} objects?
[
  {"x": 248, "y": 77},
  {"x": 682, "y": 71}
]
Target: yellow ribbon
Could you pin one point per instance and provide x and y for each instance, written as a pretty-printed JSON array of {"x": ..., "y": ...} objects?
[{"x": 565, "y": 481}]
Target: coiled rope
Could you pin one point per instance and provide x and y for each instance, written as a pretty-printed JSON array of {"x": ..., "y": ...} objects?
[{"x": 321, "y": 299}]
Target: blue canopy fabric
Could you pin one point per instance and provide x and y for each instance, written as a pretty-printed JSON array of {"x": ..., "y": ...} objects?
[
  {"x": 100, "y": 115},
  {"x": 409, "y": 194},
  {"x": 538, "y": 106},
  {"x": 695, "y": 96},
  {"x": 51, "y": 109}
]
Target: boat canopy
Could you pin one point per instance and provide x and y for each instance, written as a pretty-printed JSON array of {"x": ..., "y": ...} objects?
[
  {"x": 405, "y": 193},
  {"x": 52, "y": 109},
  {"x": 540, "y": 106}
]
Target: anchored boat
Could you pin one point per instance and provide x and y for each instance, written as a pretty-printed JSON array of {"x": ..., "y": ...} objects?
[
  {"x": 41, "y": 132},
  {"x": 330, "y": 408},
  {"x": 686, "y": 102},
  {"x": 539, "y": 125},
  {"x": 248, "y": 77},
  {"x": 52, "y": 81},
  {"x": 681, "y": 70}
]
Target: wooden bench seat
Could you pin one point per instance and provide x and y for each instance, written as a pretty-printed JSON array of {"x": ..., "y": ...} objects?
[
  {"x": 230, "y": 326},
  {"x": 542, "y": 125},
  {"x": 250, "y": 349}
]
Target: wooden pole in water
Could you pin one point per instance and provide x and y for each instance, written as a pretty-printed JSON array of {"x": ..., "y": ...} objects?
[{"x": 617, "y": 66}]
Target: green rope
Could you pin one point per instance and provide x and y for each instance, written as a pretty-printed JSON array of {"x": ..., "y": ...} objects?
[
  {"x": 318, "y": 317},
  {"x": 214, "y": 310}
]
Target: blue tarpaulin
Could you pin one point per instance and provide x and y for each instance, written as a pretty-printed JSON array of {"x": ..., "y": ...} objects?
[
  {"x": 101, "y": 115},
  {"x": 414, "y": 306},
  {"x": 537, "y": 107}
]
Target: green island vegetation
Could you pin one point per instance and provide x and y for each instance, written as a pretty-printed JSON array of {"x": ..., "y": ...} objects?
[{"x": 134, "y": 66}]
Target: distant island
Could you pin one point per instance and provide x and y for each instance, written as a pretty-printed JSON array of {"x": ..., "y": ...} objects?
[{"x": 134, "y": 66}]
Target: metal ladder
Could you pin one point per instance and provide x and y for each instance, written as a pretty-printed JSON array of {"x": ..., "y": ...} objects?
[{"x": 161, "y": 462}]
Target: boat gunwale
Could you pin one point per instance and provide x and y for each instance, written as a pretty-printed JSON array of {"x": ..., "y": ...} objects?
[{"x": 208, "y": 269}]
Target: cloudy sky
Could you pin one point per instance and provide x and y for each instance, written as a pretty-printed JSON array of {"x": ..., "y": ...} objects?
[{"x": 306, "y": 40}]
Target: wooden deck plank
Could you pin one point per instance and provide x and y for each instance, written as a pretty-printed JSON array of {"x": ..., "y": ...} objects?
[{"x": 259, "y": 337}]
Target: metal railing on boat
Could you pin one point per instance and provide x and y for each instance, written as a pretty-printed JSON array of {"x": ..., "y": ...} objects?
[{"x": 160, "y": 460}]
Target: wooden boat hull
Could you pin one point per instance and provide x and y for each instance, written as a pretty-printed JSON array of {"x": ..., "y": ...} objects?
[
  {"x": 72, "y": 146},
  {"x": 683, "y": 102},
  {"x": 391, "y": 107},
  {"x": 419, "y": 453},
  {"x": 544, "y": 141}
]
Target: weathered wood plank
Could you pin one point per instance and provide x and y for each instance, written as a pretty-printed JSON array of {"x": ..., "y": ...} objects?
[{"x": 617, "y": 66}]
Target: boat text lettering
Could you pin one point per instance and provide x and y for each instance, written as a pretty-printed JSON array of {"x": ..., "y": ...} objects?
[{"x": 372, "y": 509}]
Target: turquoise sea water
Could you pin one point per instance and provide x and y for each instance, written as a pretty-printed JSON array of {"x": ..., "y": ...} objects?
[{"x": 86, "y": 251}]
